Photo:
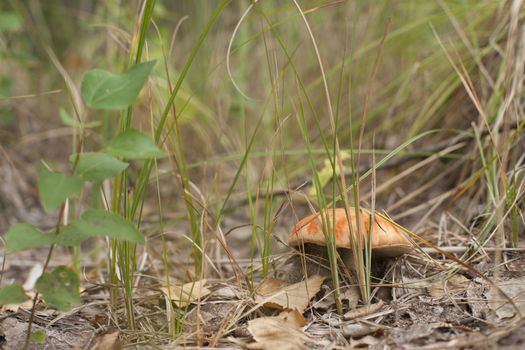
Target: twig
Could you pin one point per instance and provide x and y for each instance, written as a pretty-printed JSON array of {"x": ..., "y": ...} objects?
[{"x": 462, "y": 249}]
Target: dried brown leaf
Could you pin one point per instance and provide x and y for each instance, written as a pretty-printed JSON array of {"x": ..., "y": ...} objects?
[
  {"x": 365, "y": 342},
  {"x": 358, "y": 330},
  {"x": 351, "y": 294},
  {"x": 294, "y": 318},
  {"x": 500, "y": 307},
  {"x": 186, "y": 294},
  {"x": 363, "y": 311},
  {"x": 454, "y": 284},
  {"x": 108, "y": 341},
  {"x": 270, "y": 285},
  {"x": 283, "y": 297},
  {"x": 226, "y": 292},
  {"x": 278, "y": 332}
]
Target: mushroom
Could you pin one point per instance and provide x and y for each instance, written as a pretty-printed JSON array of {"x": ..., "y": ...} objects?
[{"x": 387, "y": 239}]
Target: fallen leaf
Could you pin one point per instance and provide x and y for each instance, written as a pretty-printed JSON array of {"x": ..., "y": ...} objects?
[
  {"x": 212, "y": 318},
  {"x": 108, "y": 341},
  {"x": 365, "y": 342},
  {"x": 280, "y": 296},
  {"x": 358, "y": 330},
  {"x": 350, "y": 294},
  {"x": 186, "y": 294},
  {"x": 226, "y": 292},
  {"x": 278, "y": 332},
  {"x": 500, "y": 306},
  {"x": 410, "y": 285},
  {"x": 476, "y": 299},
  {"x": 270, "y": 285},
  {"x": 363, "y": 311},
  {"x": 294, "y": 318},
  {"x": 454, "y": 284}
]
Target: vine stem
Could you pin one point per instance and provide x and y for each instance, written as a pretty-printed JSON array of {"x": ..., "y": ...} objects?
[
  {"x": 46, "y": 264},
  {"x": 52, "y": 247}
]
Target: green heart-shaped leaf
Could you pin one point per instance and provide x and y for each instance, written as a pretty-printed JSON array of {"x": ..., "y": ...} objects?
[
  {"x": 60, "y": 288},
  {"x": 105, "y": 90},
  {"x": 70, "y": 236},
  {"x": 97, "y": 166},
  {"x": 55, "y": 188},
  {"x": 132, "y": 144},
  {"x": 12, "y": 294},
  {"x": 26, "y": 236},
  {"x": 104, "y": 223}
]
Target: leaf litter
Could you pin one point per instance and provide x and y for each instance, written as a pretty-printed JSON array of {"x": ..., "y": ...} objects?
[
  {"x": 279, "y": 295},
  {"x": 422, "y": 308},
  {"x": 186, "y": 294},
  {"x": 278, "y": 332}
]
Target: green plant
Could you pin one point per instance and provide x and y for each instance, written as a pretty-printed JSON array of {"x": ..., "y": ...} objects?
[{"x": 60, "y": 288}]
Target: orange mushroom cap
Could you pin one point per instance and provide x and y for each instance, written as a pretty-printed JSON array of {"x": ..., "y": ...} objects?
[{"x": 387, "y": 239}]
